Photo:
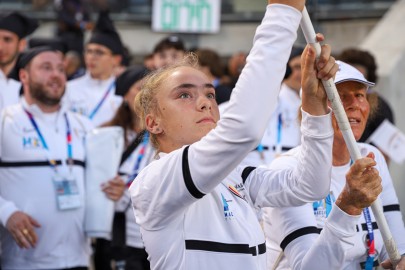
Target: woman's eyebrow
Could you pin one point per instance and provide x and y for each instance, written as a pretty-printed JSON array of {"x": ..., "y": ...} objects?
[{"x": 190, "y": 85}]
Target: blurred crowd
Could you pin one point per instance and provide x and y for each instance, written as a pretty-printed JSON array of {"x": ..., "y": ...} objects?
[{"x": 53, "y": 91}]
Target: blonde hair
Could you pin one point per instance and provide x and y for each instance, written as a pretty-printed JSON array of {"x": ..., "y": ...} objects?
[{"x": 146, "y": 102}]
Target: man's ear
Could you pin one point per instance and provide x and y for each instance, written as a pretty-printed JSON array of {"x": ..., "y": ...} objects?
[
  {"x": 22, "y": 44},
  {"x": 117, "y": 60},
  {"x": 153, "y": 124},
  {"x": 23, "y": 75}
]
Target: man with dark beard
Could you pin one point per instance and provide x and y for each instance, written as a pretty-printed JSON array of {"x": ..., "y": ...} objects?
[
  {"x": 42, "y": 171},
  {"x": 14, "y": 27}
]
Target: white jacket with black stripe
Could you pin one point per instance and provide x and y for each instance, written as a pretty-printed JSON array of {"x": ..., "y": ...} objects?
[
  {"x": 310, "y": 240},
  {"x": 26, "y": 184},
  {"x": 195, "y": 210}
]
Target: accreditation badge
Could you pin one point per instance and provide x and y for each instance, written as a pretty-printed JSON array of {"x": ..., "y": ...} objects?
[{"x": 67, "y": 192}]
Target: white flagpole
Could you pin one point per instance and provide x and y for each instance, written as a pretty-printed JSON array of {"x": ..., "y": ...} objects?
[{"x": 344, "y": 125}]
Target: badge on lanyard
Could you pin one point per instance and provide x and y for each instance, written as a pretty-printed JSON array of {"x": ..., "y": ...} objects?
[
  {"x": 67, "y": 192},
  {"x": 371, "y": 263}
]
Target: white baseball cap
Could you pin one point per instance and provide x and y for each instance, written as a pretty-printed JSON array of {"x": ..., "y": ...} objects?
[{"x": 347, "y": 72}]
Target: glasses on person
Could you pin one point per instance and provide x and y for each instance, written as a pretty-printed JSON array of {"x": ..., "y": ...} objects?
[{"x": 96, "y": 52}]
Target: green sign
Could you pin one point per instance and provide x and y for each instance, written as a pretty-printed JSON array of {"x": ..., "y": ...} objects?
[{"x": 195, "y": 16}]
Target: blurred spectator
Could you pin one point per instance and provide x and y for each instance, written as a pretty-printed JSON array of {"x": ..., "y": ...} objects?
[
  {"x": 125, "y": 61},
  {"x": 127, "y": 249},
  {"x": 73, "y": 18},
  {"x": 14, "y": 27},
  {"x": 93, "y": 94},
  {"x": 167, "y": 51},
  {"x": 73, "y": 65},
  {"x": 283, "y": 130},
  {"x": 235, "y": 66},
  {"x": 148, "y": 62},
  {"x": 210, "y": 64}
]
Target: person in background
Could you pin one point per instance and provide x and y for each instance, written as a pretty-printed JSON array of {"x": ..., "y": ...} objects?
[
  {"x": 235, "y": 66},
  {"x": 283, "y": 131},
  {"x": 339, "y": 231},
  {"x": 73, "y": 19},
  {"x": 14, "y": 28},
  {"x": 73, "y": 65},
  {"x": 364, "y": 61},
  {"x": 93, "y": 95},
  {"x": 211, "y": 65},
  {"x": 126, "y": 248},
  {"x": 148, "y": 62},
  {"x": 167, "y": 51},
  {"x": 42, "y": 156},
  {"x": 195, "y": 208}
]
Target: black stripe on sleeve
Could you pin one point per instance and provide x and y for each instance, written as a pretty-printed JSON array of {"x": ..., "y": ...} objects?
[
  {"x": 391, "y": 207},
  {"x": 225, "y": 247},
  {"x": 246, "y": 172},
  {"x": 298, "y": 233},
  {"x": 8, "y": 164},
  {"x": 187, "y": 176}
]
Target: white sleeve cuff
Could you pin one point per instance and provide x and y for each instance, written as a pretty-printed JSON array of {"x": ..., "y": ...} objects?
[
  {"x": 317, "y": 126},
  {"x": 341, "y": 223}
]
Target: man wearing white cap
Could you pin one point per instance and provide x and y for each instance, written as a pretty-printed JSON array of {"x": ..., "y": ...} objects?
[
  {"x": 334, "y": 233},
  {"x": 14, "y": 27}
]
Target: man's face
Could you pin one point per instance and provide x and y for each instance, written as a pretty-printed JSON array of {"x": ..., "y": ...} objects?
[
  {"x": 45, "y": 78},
  {"x": 354, "y": 99},
  {"x": 167, "y": 57},
  {"x": 9, "y": 47},
  {"x": 100, "y": 61}
]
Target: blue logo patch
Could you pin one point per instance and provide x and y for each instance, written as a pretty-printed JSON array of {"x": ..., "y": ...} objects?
[
  {"x": 227, "y": 213},
  {"x": 31, "y": 142}
]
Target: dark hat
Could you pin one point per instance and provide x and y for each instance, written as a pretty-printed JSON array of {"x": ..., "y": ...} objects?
[
  {"x": 18, "y": 23},
  {"x": 170, "y": 42},
  {"x": 296, "y": 51},
  {"x": 55, "y": 43},
  {"x": 105, "y": 34},
  {"x": 130, "y": 76},
  {"x": 25, "y": 58}
]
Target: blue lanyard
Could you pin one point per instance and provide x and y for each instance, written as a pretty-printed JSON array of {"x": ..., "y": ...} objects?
[
  {"x": 95, "y": 110},
  {"x": 141, "y": 155},
  {"x": 370, "y": 242},
  {"x": 52, "y": 162}
]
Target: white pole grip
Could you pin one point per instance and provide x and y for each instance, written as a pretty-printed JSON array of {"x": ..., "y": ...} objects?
[{"x": 344, "y": 125}]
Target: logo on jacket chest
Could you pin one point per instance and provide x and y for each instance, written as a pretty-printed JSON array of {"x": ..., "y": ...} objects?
[
  {"x": 31, "y": 142},
  {"x": 322, "y": 208},
  {"x": 79, "y": 108},
  {"x": 228, "y": 214}
]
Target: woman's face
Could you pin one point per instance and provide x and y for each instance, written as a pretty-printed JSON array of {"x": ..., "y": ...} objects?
[
  {"x": 187, "y": 109},
  {"x": 354, "y": 99}
]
